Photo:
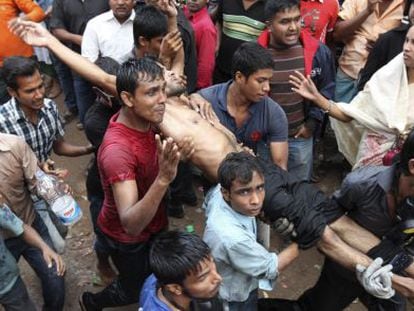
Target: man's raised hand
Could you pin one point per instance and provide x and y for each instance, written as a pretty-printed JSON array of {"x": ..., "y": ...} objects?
[
  {"x": 168, "y": 158},
  {"x": 30, "y": 32}
]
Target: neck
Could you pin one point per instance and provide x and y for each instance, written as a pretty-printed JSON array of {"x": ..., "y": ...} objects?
[
  {"x": 235, "y": 98},
  {"x": 410, "y": 73},
  {"x": 30, "y": 114},
  {"x": 174, "y": 302},
  {"x": 128, "y": 118},
  {"x": 122, "y": 20}
]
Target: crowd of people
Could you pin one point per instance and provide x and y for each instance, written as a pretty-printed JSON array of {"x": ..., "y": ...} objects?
[{"x": 238, "y": 92}]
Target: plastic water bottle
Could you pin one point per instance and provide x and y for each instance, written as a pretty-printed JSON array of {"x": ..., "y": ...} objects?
[{"x": 61, "y": 203}]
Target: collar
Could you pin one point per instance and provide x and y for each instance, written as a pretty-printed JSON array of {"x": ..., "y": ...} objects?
[
  {"x": 222, "y": 99},
  {"x": 110, "y": 16},
  {"x": 18, "y": 113},
  {"x": 386, "y": 177},
  {"x": 195, "y": 17}
]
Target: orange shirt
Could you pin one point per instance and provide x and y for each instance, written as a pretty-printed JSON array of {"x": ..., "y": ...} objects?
[
  {"x": 11, "y": 45},
  {"x": 356, "y": 50}
]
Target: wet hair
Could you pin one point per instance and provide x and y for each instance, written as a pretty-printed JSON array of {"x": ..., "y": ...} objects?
[
  {"x": 238, "y": 166},
  {"x": 135, "y": 70},
  {"x": 15, "y": 67},
  {"x": 108, "y": 64},
  {"x": 174, "y": 255},
  {"x": 407, "y": 153},
  {"x": 249, "y": 58},
  {"x": 272, "y": 7},
  {"x": 149, "y": 22}
]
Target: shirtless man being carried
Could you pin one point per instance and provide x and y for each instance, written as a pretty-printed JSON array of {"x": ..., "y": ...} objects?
[{"x": 305, "y": 206}]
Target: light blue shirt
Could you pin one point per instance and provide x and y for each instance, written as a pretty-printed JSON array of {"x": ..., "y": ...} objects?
[{"x": 240, "y": 259}]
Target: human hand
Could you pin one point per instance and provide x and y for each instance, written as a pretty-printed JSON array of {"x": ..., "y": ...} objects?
[
  {"x": 203, "y": 107},
  {"x": 30, "y": 32},
  {"x": 168, "y": 7},
  {"x": 51, "y": 257},
  {"x": 168, "y": 158},
  {"x": 186, "y": 148},
  {"x": 303, "y": 132},
  {"x": 304, "y": 86},
  {"x": 170, "y": 45},
  {"x": 89, "y": 148},
  {"x": 284, "y": 227},
  {"x": 376, "y": 279}
]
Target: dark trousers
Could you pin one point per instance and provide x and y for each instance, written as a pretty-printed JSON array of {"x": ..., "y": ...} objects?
[
  {"x": 182, "y": 185},
  {"x": 53, "y": 286},
  {"x": 131, "y": 260},
  {"x": 17, "y": 298}
]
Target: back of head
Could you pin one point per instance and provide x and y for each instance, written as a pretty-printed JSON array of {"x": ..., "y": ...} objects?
[
  {"x": 273, "y": 7},
  {"x": 15, "y": 67},
  {"x": 133, "y": 71},
  {"x": 238, "y": 166},
  {"x": 407, "y": 154},
  {"x": 249, "y": 58},
  {"x": 108, "y": 64},
  {"x": 149, "y": 23},
  {"x": 174, "y": 255}
]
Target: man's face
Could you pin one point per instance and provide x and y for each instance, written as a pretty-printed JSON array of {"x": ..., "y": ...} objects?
[
  {"x": 205, "y": 283},
  {"x": 176, "y": 85},
  {"x": 148, "y": 101},
  {"x": 196, "y": 5},
  {"x": 408, "y": 49},
  {"x": 256, "y": 86},
  {"x": 30, "y": 92},
  {"x": 122, "y": 9},
  {"x": 285, "y": 27},
  {"x": 152, "y": 46},
  {"x": 246, "y": 199}
]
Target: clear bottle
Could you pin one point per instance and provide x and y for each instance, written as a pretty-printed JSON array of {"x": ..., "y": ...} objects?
[{"x": 61, "y": 203}]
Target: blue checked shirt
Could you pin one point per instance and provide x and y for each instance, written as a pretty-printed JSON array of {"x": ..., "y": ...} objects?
[{"x": 41, "y": 136}]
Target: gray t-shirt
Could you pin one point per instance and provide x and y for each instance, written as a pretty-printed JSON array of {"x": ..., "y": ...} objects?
[{"x": 9, "y": 271}]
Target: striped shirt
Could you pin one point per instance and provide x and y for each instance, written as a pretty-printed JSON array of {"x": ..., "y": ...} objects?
[
  {"x": 41, "y": 136},
  {"x": 286, "y": 61}
]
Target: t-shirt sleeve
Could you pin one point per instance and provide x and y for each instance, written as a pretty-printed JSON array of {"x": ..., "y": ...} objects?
[
  {"x": 116, "y": 163},
  {"x": 277, "y": 122},
  {"x": 349, "y": 193},
  {"x": 10, "y": 222}
]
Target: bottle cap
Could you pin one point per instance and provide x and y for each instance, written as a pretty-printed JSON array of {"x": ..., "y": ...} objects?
[{"x": 189, "y": 228}]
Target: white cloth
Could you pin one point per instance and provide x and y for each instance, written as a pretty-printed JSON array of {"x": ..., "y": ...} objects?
[
  {"x": 382, "y": 112},
  {"x": 105, "y": 36}
]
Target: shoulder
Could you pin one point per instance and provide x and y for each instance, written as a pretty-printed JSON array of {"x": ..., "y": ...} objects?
[{"x": 363, "y": 176}]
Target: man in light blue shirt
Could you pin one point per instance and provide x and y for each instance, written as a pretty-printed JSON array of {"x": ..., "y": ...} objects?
[{"x": 231, "y": 208}]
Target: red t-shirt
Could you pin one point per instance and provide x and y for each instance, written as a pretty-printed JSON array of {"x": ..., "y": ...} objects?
[
  {"x": 127, "y": 154},
  {"x": 319, "y": 18}
]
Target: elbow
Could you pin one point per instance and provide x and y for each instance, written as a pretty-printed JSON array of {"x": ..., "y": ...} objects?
[
  {"x": 131, "y": 229},
  {"x": 329, "y": 241}
]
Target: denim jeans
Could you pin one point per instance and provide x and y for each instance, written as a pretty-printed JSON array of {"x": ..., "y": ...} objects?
[
  {"x": 85, "y": 96},
  {"x": 132, "y": 263},
  {"x": 249, "y": 305},
  {"x": 66, "y": 82},
  {"x": 300, "y": 157},
  {"x": 53, "y": 286},
  {"x": 346, "y": 87},
  {"x": 17, "y": 298}
]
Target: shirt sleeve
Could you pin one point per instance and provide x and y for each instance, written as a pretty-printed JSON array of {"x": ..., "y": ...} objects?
[
  {"x": 10, "y": 222},
  {"x": 349, "y": 193},
  {"x": 59, "y": 124},
  {"x": 116, "y": 163},
  {"x": 251, "y": 258},
  {"x": 32, "y": 10},
  {"x": 278, "y": 124},
  {"x": 29, "y": 164},
  {"x": 90, "y": 44}
]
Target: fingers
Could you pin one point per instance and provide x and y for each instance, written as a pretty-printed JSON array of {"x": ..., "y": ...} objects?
[{"x": 375, "y": 265}]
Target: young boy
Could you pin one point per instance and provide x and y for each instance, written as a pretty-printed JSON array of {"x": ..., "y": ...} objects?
[
  {"x": 231, "y": 233},
  {"x": 185, "y": 275},
  {"x": 205, "y": 38}
]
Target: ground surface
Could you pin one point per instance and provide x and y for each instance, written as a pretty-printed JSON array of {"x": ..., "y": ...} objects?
[{"x": 80, "y": 260}]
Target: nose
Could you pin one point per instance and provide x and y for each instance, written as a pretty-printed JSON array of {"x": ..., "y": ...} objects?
[
  {"x": 254, "y": 199},
  {"x": 217, "y": 277},
  {"x": 266, "y": 86},
  {"x": 162, "y": 97},
  {"x": 39, "y": 92}
]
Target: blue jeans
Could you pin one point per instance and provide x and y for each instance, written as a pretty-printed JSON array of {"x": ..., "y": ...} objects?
[
  {"x": 17, "y": 298},
  {"x": 249, "y": 305},
  {"x": 346, "y": 87},
  {"x": 300, "y": 157},
  {"x": 66, "y": 82},
  {"x": 85, "y": 96},
  {"x": 53, "y": 286}
]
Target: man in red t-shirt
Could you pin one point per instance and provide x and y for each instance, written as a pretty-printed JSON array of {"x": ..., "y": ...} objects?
[{"x": 136, "y": 169}]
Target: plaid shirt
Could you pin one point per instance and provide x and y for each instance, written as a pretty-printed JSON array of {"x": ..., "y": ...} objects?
[{"x": 41, "y": 136}]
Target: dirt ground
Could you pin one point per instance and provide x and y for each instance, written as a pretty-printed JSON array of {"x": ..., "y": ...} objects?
[{"x": 80, "y": 260}]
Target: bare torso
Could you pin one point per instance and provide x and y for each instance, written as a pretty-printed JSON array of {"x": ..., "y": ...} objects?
[{"x": 211, "y": 143}]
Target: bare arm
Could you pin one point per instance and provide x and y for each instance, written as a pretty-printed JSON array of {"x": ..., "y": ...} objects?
[
  {"x": 63, "y": 148},
  {"x": 279, "y": 152},
  {"x": 287, "y": 256},
  {"x": 66, "y": 36}
]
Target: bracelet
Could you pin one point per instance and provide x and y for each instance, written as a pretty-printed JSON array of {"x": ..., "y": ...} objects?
[{"x": 331, "y": 102}]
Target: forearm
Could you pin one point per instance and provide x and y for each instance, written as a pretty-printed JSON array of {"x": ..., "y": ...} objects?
[
  {"x": 287, "y": 256},
  {"x": 66, "y": 36},
  {"x": 279, "y": 152},
  {"x": 403, "y": 285},
  {"x": 82, "y": 66},
  {"x": 331, "y": 108},
  {"x": 63, "y": 148},
  {"x": 135, "y": 218},
  {"x": 31, "y": 237},
  {"x": 344, "y": 30}
]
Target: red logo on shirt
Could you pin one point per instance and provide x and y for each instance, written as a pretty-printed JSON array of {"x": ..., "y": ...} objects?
[{"x": 256, "y": 136}]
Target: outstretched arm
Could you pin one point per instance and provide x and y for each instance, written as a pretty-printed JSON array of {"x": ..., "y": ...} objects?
[
  {"x": 305, "y": 87},
  {"x": 35, "y": 34}
]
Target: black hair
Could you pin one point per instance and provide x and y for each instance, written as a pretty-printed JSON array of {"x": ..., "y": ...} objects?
[
  {"x": 272, "y": 7},
  {"x": 238, "y": 166},
  {"x": 108, "y": 64},
  {"x": 407, "y": 6},
  {"x": 135, "y": 70},
  {"x": 149, "y": 22},
  {"x": 407, "y": 153},
  {"x": 15, "y": 67},
  {"x": 249, "y": 58},
  {"x": 174, "y": 255}
]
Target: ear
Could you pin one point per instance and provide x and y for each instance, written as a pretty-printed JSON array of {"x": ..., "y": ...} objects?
[
  {"x": 127, "y": 99},
  {"x": 174, "y": 289},
  {"x": 239, "y": 77},
  {"x": 226, "y": 194},
  {"x": 12, "y": 92},
  {"x": 142, "y": 42},
  {"x": 411, "y": 166}
]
